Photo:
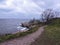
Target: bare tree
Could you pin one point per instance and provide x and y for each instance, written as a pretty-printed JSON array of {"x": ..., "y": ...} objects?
[{"x": 47, "y": 15}]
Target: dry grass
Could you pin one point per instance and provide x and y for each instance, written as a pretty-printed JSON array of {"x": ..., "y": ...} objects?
[
  {"x": 17, "y": 35},
  {"x": 51, "y": 35}
]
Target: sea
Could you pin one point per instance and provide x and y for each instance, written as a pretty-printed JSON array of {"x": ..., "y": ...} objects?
[{"x": 8, "y": 26}]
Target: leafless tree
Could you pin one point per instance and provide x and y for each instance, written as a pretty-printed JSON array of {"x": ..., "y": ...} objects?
[{"x": 47, "y": 15}]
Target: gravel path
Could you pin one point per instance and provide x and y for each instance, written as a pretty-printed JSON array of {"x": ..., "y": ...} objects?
[{"x": 26, "y": 40}]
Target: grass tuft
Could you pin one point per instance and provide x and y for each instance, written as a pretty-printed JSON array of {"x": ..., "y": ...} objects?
[{"x": 20, "y": 34}]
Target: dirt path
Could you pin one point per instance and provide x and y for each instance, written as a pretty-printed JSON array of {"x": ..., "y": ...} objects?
[{"x": 26, "y": 40}]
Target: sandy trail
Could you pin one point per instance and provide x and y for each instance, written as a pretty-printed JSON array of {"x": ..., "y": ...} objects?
[{"x": 26, "y": 40}]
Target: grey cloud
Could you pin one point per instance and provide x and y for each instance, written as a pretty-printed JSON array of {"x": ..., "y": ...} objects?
[
  {"x": 29, "y": 8},
  {"x": 5, "y": 10}
]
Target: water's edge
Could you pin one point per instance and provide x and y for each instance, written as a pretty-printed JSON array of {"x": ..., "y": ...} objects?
[{"x": 10, "y": 25}]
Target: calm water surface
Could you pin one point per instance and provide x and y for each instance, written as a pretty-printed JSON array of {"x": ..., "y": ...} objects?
[{"x": 9, "y": 25}]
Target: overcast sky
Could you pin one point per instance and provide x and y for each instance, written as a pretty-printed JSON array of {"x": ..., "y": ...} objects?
[{"x": 26, "y": 8}]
